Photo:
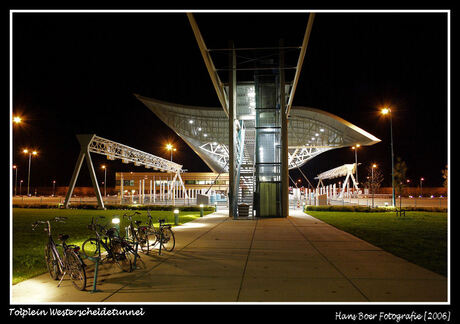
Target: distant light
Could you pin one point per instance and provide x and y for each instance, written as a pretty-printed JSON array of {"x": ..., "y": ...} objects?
[
  {"x": 205, "y": 135},
  {"x": 374, "y": 165},
  {"x": 115, "y": 220},
  {"x": 17, "y": 119},
  {"x": 316, "y": 134},
  {"x": 199, "y": 129},
  {"x": 190, "y": 121},
  {"x": 312, "y": 138},
  {"x": 385, "y": 111},
  {"x": 201, "y": 205},
  {"x": 321, "y": 130},
  {"x": 176, "y": 211}
]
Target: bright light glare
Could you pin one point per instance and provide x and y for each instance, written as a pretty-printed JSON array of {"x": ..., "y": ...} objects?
[
  {"x": 17, "y": 119},
  {"x": 385, "y": 111},
  {"x": 115, "y": 220}
]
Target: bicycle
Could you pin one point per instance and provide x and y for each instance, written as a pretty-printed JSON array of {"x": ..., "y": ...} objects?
[
  {"x": 163, "y": 236},
  {"x": 69, "y": 262},
  {"x": 108, "y": 245}
]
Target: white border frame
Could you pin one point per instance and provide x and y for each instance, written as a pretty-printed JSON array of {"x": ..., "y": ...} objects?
[{"x": 448, "y": 12}]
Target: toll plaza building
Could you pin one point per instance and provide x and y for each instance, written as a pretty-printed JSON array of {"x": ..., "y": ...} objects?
[
  {"x": 310, "y": 131},
  {"x": 257, "y": 134}
]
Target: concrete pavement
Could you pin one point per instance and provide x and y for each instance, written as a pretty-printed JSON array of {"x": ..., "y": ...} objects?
[{"x": 218, "y": 259}]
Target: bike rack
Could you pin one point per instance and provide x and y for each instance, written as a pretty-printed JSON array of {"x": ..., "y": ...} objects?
[{"x": 96, "y": 268}]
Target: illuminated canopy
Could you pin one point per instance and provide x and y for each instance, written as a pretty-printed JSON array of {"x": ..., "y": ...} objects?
[{"x": 205, "y": 129}]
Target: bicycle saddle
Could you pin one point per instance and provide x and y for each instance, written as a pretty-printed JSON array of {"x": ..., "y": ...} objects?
[
  {"x": 63, "y": 237},
  {"x": 137, "y": 222}
]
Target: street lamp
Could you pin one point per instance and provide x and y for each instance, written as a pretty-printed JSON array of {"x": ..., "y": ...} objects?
[
  {"x": 26, "y": 151},
  {"x": 386, "y": 111},
  {"x": 372, "y": 182},
  {"x": 54, "y": 186},
  {"x": 170, "y": 148},
  {"x": 20, "y": 187},
  {"x": 421, "y": 184},
  {"x": 17, "y": 120},
  {"x": 15, "y": 180},
  {"x": 105, "y": 180}
]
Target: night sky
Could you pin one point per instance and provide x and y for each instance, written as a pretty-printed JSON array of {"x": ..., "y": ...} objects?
[{"x": 76, "y": 73}]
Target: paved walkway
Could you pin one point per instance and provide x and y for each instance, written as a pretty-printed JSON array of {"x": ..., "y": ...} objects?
[{"x": 218, "y": 259}]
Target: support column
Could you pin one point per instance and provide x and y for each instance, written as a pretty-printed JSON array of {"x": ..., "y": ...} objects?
[
  {"x": 122, "y": 192},
  {"x": 84, "y": 140},
  {"x": 150, "y": 200},
  {"x": 232, "y": 133},
  {"x": 284, "y": 139}
]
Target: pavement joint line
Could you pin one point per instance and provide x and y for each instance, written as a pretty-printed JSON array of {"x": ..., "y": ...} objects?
[
  {"x": 327, "y": 260},
  {"x": 247, "y": 258},
  {"x": 140, "y": 275}
]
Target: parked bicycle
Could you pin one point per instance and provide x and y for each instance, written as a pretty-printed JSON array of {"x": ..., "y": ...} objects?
[
  {"x": 69, "y": 262},
  {"x": 107, "y": 245},
  {"x": 149, "y": 236}
]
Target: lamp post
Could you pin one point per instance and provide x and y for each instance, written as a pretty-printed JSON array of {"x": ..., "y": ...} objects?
[
  {"x": 105, "y": 180},
  {"x": 386, "y": 111},
  {"x": 421, "y": 186},
  {"x": 372, "y": 182},
  {"x": 355, "y": 148},
  {"x": 54, "y": 186},
  {"x": 15, "y": 180},
  {"x": 170, "y": 148},
  {"x": 26, "y": 151},
  {"x": 176, "y": 216},
  {"x": 20, "y": 187}
]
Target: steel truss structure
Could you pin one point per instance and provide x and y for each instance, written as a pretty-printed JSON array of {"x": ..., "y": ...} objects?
[
  {"x": 91, "y": 143},
  {"x": 345, "y": 170}
]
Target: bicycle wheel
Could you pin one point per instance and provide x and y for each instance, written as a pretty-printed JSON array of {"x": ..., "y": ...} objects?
[
  {"x": 146, "y": 240},
  {"x": 76, "y": 270},
  {"x": 51, "y": 263},
  {"x": 168, "y": 241},
  {"x": 121, "y": 256},
  {"x": 90, "y": 248}
]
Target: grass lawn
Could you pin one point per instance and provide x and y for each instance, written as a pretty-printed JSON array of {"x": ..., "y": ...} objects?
[
  {"x": 28, "y": 245},
  {"x": 419, "y": 237}
]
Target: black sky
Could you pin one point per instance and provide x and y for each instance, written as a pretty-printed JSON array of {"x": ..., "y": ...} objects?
[{"x": 77, "y": 73}]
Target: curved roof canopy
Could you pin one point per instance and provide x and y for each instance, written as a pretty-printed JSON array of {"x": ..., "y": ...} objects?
[{"x": 310, "y": 131}]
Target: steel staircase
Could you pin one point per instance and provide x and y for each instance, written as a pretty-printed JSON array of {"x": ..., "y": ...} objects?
[{"x": 246, "y": 169}]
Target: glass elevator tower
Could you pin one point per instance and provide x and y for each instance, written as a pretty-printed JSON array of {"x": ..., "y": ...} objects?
[{"x": 267, "y": 195}]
